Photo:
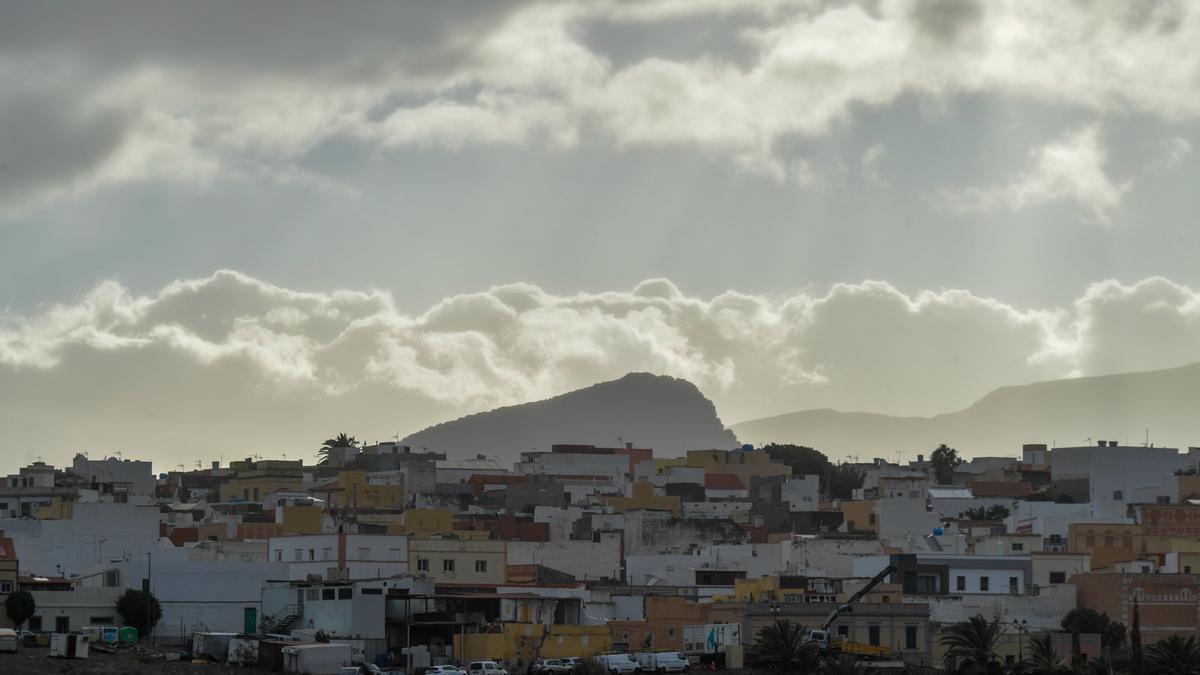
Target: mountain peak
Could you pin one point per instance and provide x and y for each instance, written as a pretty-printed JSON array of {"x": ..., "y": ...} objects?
[{"x": 666, "y": 413}]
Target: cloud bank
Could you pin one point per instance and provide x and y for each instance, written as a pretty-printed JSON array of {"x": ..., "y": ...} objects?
[
  {"x": 231, "y": 365},
  {"x": 114, "y": 93}
]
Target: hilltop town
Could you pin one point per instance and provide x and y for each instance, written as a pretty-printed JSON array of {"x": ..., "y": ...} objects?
[{"x": 415, "y": 559}]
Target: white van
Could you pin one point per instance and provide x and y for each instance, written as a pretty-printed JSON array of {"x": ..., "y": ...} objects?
[
  {"x": 618, "y": 664},
  {"x": 8, "y": 640},
  {"x": 486, "y": 668},
  {"x": 662, "y": 662}
]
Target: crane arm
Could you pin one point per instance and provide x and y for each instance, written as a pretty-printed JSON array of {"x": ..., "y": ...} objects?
[{"x": 849, "y": 604}]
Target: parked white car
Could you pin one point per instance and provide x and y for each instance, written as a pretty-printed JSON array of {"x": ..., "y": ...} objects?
[
  {"x": 618, "y": 664},
  {"x": 662, "y": 662},
  {"x": 445, "y": 670},
  {"x": 485, "y": 668}
]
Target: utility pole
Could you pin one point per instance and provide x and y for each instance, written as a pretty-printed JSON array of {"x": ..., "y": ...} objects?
[{"x": 149, "y": 596}]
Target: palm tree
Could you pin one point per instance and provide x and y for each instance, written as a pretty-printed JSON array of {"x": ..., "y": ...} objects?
[
  {"x": 339, "y": 441},
  {"x": 1099, "y": 666},
  {"x": 782, "y": 644},
  {"x": 1174, "y": 655},
  {"x": 1043, "y": 657},
  {"x": 972, "y": 646},
  {"x": 844, "y": 664}
]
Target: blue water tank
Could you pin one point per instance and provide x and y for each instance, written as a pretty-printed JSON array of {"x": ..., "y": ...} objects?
[{"x": 937, "y": 531}]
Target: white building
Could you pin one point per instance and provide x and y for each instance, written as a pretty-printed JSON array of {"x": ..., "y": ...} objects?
[
  {"x": 134, "y": 476},
  {"x": 585, "y": 559},
  {"x": 802, "y": 494},
  {"x": 459, "y": 470},
  {"x": 361, "y": 556},
  {"x": 1122, "y": 473},
  {"x": 963, "y": 574},
  {"x": 96, "y": 533}
]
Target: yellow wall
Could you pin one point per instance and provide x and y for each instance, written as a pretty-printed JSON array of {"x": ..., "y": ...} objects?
[
  {"x": 59, "y": 509},
  {"x": 522, "y": 641},
  {"x": 424, "y": 522},
  {"x": 644, "y": 498},
  {"x": 302, "y": 520},
  {"x": 465, "y": 554},
  {"x": 860, "y": 513},
  {"x": 352, "y": 489},
  {"x": 244, "y": 488},
  {"x": 744, "y": 465}
]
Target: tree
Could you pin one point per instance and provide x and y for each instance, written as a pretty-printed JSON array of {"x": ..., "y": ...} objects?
[
  {"x": 19, "y": 607},
  {"x": 945, "y": 460},
  {"x": 971, "y": 646},
  {"x": 135, "y": 607},
  {"x": 842, "y": 664},
  {"x": 1174, "y": 655},
  {"x": 1136, "y": 656},
  {"x": 1043, "y": 657},
  {"x": 844, "y": 479},
  {"x": 782, "y": 644},
  {"x": 994, "y": 512},
  {"x": 1084, "y": 620},
  {"x": 339, "y": 441}
]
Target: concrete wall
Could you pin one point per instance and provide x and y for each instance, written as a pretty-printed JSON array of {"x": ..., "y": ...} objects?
[
  {"x": 559, "y": 519},
  {"x": 829, "y": 557},
  {"x": 1044, "y": 611},
  {"x": 97, "y": 533},
  {"x": 802, "y": 494},
  {"x": 584, "y": 559},
  {"x": 738, "y": 512},
  {"x": 82, "y": 607},
  {"x": 1121, "y": 469}
]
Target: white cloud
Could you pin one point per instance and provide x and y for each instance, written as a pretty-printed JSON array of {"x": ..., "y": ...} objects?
[
  {"x": 1067, "y": 169},
  {"x": 229, "y": 361},
  {"x": 871, "y": 158},
  {"x": 190, "y": 107}
]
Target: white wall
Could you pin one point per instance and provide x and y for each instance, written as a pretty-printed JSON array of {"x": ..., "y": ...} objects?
[
  {"x": 139, "y": 475},
  {"x": 582, "y": 558},
  {"x": 1043, "y": 612},
  {"x": 1123, "y": 468},
  {"x": 368, "y": 556},
  {"x": 829, "y": 557},
  {"x": 737, "y": 511},
  {"x": 559, "y": 519},
  {"x": 97, "y": 533},
  {"x": 80, "y": 606},
  {"x": 802, "y": 494},
  {"x": 902, "y": 519}
]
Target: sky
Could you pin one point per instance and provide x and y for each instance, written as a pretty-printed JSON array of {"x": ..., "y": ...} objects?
[{"x": 229, "y": 229}]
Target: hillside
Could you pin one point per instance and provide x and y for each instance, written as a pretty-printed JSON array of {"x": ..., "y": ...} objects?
[
  {"x": 651, "y": 411},
  {"x": 1116, "y": 407}
]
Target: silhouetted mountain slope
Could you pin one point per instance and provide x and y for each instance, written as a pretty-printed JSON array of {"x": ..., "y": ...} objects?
[
  {"x": 1066, "y": 412},
  {"x": 650, "y": 411}
]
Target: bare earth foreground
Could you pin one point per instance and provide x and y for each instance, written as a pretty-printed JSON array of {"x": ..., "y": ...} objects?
[{"x": 36, "y": 661}]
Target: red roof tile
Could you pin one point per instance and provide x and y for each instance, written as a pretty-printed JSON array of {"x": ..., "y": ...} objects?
[{"x": 723, "y": 481}]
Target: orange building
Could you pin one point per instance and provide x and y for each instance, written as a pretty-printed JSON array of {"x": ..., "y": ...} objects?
[{"x": 644, "y": 498}]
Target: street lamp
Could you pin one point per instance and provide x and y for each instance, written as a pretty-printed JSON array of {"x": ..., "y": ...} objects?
[
  {"x": 1022, "y": 627},
  {"x": 149, "y": 605},
  {"x": 775, "y": 609}
]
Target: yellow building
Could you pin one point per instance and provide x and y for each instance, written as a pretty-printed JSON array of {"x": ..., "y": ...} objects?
[
  {"x": 8, "y": 575},
  {"x": 744, "y": 465},
  {"x": 423, "y": 523},
  {"x": 351, "y": 490},
  {"x": 859, "y": 515},
  {"x": 59, "y": 508},
  {"x": 528, "y": 641},
  {"x": 255, "y": 480},
  {"x": 301, "y": 519},
  {"x": 456, "y": 560},
  {"x": 644, "y": 498}
]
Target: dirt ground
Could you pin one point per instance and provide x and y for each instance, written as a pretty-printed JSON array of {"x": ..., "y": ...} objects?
[{"x": 37, "y": 661}]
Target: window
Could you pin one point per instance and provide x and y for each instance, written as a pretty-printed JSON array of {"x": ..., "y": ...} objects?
[
  {"x": 312, "y": 554},
  {"x": 394, "y": 554},
  {"x": 1090, "y": 540},
  {"x": 871, "y": 519},
  {"x": 101, "y": 621},
  {"x": 448, "y": 565},
  {"x": 278, "y": 555},
  {"x": 345, "y": 593},
  {"x": 327, "y": 593},
  {"x": 299, "y": 555},
  {"x": 1163, "y": 499},
  {"x": 255, "y": 494},
  {"x": 371, "y": 591},
  {"x": 327, "y": 553},
  {"x": 1118, "y": 495},
  {"x": 1018, "y": 546},
  {"x": 671, "y": 632},
  {"x": 5, "y": 587},
  {"x": 364, "y": 553},
  {"x": 910, "y": 637},
  {"x": 843, "y": 631},
  {"x": 312, "y": 594},
  {"x": 422, "y": 565},
  {"x": 873, "y": 635},
  {"x": 481, "y": 566},
  {"x": 983, "y": 583},
  {"x": 960, "y": 583},
  {"x": 1058, "y": 577}
]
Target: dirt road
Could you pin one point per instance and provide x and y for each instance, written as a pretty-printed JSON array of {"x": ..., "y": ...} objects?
[{"x": 37, "y": 661}]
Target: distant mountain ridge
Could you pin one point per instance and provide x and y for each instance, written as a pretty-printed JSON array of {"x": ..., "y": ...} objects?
[
  {"x": 667, "y": 414},
  {"x": 1067, "y": 412}
]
